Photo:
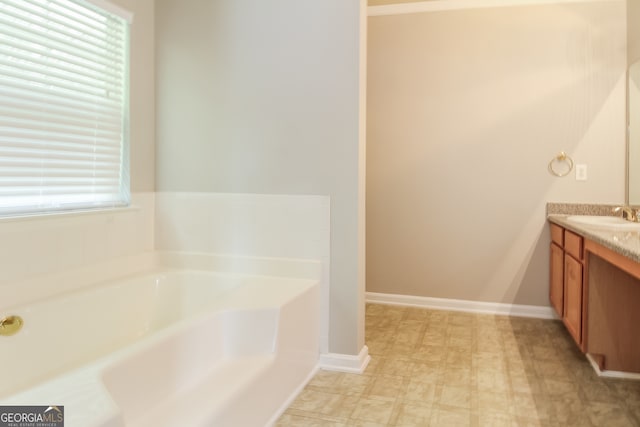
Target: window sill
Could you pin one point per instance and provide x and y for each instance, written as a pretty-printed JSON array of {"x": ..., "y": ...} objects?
[{"x": 39, "y": 216}]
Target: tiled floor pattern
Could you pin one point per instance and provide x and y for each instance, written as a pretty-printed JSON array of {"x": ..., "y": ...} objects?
[{"x": 440, "y": 368}]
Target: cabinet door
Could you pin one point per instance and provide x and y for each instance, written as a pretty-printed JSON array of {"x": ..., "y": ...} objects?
[
  {"x": 573, "y": 297},
  {"x": 556, "y": 279}
]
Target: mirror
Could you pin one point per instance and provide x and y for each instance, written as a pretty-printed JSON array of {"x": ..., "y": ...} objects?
[
  {"x": 633, "y": 134},
  {"x": 633, "y": 102}
]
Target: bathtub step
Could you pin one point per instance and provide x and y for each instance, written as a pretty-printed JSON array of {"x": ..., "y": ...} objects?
[{"x": 214, "y": 396}]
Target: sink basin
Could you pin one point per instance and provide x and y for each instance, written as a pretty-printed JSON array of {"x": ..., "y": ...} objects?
[{"x": 608, "y": 222}]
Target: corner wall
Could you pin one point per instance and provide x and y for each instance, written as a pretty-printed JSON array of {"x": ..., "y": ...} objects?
[{"x": 263, "y": 97}]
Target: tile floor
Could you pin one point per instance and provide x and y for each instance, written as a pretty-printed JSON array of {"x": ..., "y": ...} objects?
[{"x": 440, "y": 368}]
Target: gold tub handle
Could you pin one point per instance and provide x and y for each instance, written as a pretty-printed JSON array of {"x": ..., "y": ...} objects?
[{"x": 10, "y": 325}]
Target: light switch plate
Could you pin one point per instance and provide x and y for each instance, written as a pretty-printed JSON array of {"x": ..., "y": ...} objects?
[{"x": 581, "y": 172}]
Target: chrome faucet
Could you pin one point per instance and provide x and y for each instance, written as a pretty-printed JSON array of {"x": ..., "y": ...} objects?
[{"x": 628, "y": 213}]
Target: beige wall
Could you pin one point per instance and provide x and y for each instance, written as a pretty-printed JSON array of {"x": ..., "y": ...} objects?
[
  {"x": 633, "y": 28},
  {"x": 142, "y": 94},
  {"x": 465, "y": 110},
  {"x": 263, "y": 97}
]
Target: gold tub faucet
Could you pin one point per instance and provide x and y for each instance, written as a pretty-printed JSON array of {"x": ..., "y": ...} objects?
[{"x": 10, "y": 325}]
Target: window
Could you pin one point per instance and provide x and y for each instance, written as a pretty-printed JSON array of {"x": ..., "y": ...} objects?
[{"x": 63, "y": 106}]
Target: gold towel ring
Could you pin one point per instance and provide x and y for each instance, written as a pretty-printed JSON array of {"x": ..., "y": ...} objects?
[{"x": 562, "y": 157}]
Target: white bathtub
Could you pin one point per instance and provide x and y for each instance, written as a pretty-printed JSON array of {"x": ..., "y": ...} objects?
[{"x": 168, "y": 348}]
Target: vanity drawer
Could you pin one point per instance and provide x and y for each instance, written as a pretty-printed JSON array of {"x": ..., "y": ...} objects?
[
  {"x": 557, "y": 234},
  {"x": 573, "y": 244}
]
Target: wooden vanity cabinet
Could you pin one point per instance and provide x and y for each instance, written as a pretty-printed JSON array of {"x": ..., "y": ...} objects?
[
  {"x": 573, "y": 302},
  {"x": 556, "y": 280},
  {"x": 596, "y": 293},
  {"x": 566, "y": 287}
]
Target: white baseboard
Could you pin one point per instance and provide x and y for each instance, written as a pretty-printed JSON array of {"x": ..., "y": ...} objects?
[
  {"x": 517, "y": 310},
  {"x": 612, "y": 374},
  {"x": 345, "y": 362}
]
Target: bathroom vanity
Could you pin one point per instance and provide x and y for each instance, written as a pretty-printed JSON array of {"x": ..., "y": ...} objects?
[{"x": 595, "y": 287}]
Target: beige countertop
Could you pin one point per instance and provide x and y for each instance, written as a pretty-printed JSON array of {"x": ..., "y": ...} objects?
[{"x": 624, "y": 242}]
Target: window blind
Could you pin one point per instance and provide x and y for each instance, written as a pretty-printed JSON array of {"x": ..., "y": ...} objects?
[{"x": 63, "y": 106}]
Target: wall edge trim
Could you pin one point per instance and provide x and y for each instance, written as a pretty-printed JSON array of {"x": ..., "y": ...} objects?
[{"x": 345, "y": 362}]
